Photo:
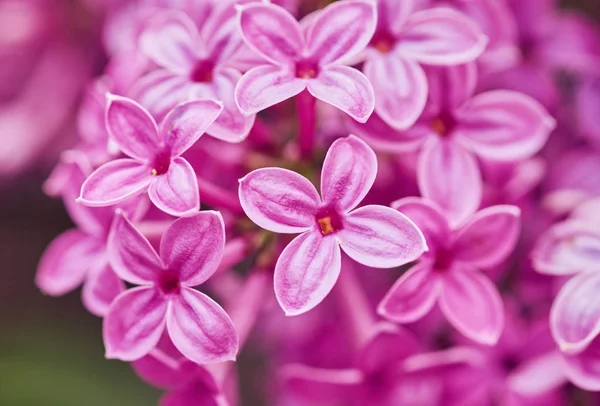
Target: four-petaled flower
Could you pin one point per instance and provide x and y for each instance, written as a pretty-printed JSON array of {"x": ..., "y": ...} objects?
[
  {"x": 282, "y": 201},
  {"x": 190, "y": 252},
  {"x": 156, "y": 164}
]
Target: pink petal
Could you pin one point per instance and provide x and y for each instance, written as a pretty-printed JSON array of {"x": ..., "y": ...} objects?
[
  {"x": 450, "y": 86},
  {"x": 115, "y": 182},
  {"x": 186, "y": 123},
  {"x": 441, "y": 36},
  {"x": 575, "y": 314},
  {"x": 389, "y": 345},
  {"x": 306, "y": 271},
  {"x": 66, "y": 261},
  {"x": 341, "y": 30},
  {"x": 428, "y": 217},
  {"x": 279, "y": 200},
  {"x": 169, "y": 40},
  {"x": 132, "y": 257},
  {"x": 160, "y": 91},
  {"x": 381, "y": 237},
  {"x": 201, "y": 329},
  {"x": 392, "y": 14},
  {"x": 164, "y": 367},
  {"x": 583, "y": 369},
  {"x": 134, "y": 323},
  {"x": 503, "y": 125},
  {"x": 566, "y": 248},
  {"x": 345, "y": 88},
  {"x": 176, "y": 192},
  {"x": 100, "y": 289},
  {"x": 191, "y": 394},
  {"x": 271, "y": 31},
  {"x": 489, "y": 237},
  {"x": 322, "y": 386},
  {"x": 131, "y": 127},
  {"x": 266, "y": 86},
  {"x": 399, "y": 105},
  {"x": 449, "y": 175},
  {"x": 194, "y": 246},
  {"x": 349, "y": 170},
  {"x": 412, "y": 296},
  {"x": 539, "y": 375},
  {"x": 472, "y": 304}
]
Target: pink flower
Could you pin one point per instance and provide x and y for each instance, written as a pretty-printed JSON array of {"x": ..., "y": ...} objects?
[
  {"x": 403, "y": 40},
  {"x": 449, "y": 273},
  {"x": 79, "y": 255},
  {"x": 282, "y": 201},
  {"x": 155, "y": 164},
  {"x": 309, "y": 57},
  {"x": 190, "y": 252},
  {"x": 194, "y": 65},
  {"x": 457, "y": 127}
]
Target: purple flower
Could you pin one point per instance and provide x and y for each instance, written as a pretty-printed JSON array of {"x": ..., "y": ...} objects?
[
  {"x": 190, "y": 252},
  {"x": 403, "y": 40},
  {"x": 155, "y": 164},
  {"x": 310, "y": 57},
  {"x": 194, "y": 65},
  {"x": 282, "y": 201},
  {"x": 449, "y": 273}
]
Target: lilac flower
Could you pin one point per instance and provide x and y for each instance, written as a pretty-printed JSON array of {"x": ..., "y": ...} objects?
[
  {"x": 190, "y": 252},
  {"x": 155, "y": 162},
  {"x": 311, "y": 57},
  {"x": 449, "y": 273},
  {"x": 79, "y": 255},
  {"x": 282, "y": 201},
  {"x": 457, "y": 127},
  {"x": 194, "y": 65},
  {"x": 405, "y": 38}
]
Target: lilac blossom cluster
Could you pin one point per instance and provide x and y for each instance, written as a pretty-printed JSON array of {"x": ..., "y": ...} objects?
[{"x": 395, "y": 201}]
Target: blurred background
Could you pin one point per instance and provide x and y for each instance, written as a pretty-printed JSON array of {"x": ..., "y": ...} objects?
[{"x": 49, "y": 51}]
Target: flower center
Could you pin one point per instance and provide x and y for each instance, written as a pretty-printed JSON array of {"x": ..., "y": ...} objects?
[
  {"x": 203, "y": 72},
  {"x": 328, "y": 220},
  {"x": 307, "y": 70},
  {"x": 443, "y": 124},
  {"x": 168, "y": 282},
  {"x": 443, "y": 260},
  {"x": 161, "y": 163},
  {"x": 383, "y": 41}
]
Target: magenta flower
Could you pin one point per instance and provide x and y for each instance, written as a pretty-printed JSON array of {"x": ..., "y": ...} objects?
[
  {"x": 403, "y": 40},
  {"x": 79, "y": 255},
  {"x": 190, "y": 252},
  {"x": 282, "y": 201},
  {"x": 449, "y": 273},
  {"x": 194, "y": 65},
  {"x": 309, "y": 57},
  {"x": 155, "y": 164},
  {"x": 457, "y": 127}
]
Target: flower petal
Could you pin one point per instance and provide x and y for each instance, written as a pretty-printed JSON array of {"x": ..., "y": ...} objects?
[
  {"x": 200, "y": 328},
  {"x": 392, "y": 14},
  {"x": 575, "y": 314},
  {"x": 186, "y": 123},
  {"x": 194, "y": 246},
  {"x": 428, "y": 217},
  {"x": 341, "y": 30},
  {"x": 503, "y": 125},
  {"x": 306, "y": 271},
  {"x": 279, "y": 200},
  {"x": 489, "y": 237},
  {"x": 160, "y": 91},
  {"x": 566, "y": 248},
  {"x": 441, "y": 36},
  {"x": 345, "y": 88},
  {"x": 115, "y": 182},
  {"x": 472, "y": 304},
  {"x": 412, "y": 296},
  {"x": 583, "y": 369},
  {"x": 449, "y": 175},
  {"x": 134, "y": 323},
  {"x": 450, "y": 86},
  {"x": 320, "y": 385},
  {"x": 169, "y": 40},
  {"x": 132, "y": 257},
  {"x": 399, "y": 105},
  {"x": 266, "y": 86},
  {"x": 389, "y": 345},
  {"x": 381, "y": 237},
  {"x": 538, "y": 375},
  {"x": 349, "y": 170},
  {"x": 100, "y": 290},
  {"x": 176, "y": 192},
  {"x": 191, "y": 394},
  {"x": 131, "y": 127},
  {"x": 271, "y": 31},
  {"x": 66, "y": 262}
]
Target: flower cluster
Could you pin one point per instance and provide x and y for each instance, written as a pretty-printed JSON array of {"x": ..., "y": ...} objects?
[{"x": 397, "y": 177}]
